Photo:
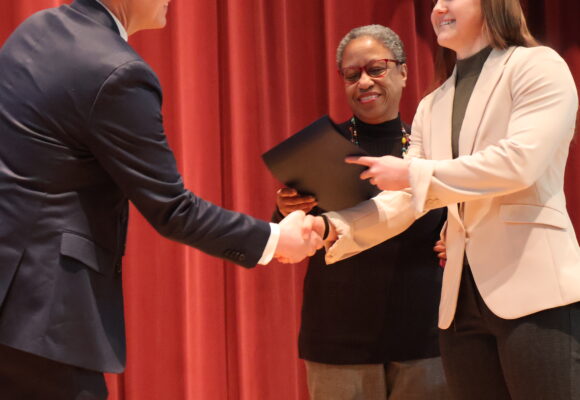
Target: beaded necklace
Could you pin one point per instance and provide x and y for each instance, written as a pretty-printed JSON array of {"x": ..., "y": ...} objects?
[{"x": 405, "y": 136}]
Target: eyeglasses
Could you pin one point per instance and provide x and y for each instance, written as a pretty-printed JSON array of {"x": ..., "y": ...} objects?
[{"x": 374, "y": 69}]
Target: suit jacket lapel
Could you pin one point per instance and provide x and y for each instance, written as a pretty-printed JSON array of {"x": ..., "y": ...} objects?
[
  {"x": 486, "y": 83},
  {"x": 96, "y": 12}
]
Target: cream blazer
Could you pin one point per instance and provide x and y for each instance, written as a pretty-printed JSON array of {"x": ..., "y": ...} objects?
[{"x": 505, "y": 198}]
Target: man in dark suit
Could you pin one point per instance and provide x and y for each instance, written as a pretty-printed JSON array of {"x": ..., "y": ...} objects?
[{"x": 82, "y": 133}]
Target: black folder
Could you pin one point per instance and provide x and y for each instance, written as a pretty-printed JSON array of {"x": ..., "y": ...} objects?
[{"x": 312, "y": 162}]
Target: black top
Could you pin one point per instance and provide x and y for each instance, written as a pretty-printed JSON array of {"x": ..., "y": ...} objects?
[{"x": 380, "y": 305}]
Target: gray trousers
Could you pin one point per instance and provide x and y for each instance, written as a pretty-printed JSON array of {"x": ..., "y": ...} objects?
[{"x": 410, "y": 380}]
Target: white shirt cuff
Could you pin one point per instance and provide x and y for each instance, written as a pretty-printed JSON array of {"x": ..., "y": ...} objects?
[{"x": 271, "y": 245}]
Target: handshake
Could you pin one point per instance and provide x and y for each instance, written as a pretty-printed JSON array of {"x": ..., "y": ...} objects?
[{"x": 300, "y": 237}]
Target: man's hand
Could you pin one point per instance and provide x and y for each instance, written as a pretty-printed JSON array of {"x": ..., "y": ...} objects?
[
  {"x": 387, "y": 172},
  {"x": 288, "y": 200},
  {"x": 297, "y": 238}
]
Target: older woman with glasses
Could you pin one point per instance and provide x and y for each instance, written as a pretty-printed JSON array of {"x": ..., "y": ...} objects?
[
  {"x": 491, "y": 143},
  {"x": 369, "y": 323}
]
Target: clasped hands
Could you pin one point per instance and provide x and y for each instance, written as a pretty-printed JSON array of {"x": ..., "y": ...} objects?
[
  {"x": 294, "y": 208},
  {"x": 298, "y": 239}
]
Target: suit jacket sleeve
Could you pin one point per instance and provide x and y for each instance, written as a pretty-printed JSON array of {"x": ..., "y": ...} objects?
[{"x": 125, "y": 133}]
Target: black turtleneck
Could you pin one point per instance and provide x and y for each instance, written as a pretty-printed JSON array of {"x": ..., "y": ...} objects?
[
  {"x": 378, "y": 139},
  {"x": 468, "y": 71}
]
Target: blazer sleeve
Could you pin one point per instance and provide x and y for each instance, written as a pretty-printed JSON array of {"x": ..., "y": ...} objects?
[
  {"x": 125, "y": 133},
  {"x": 545, "y": 103}
]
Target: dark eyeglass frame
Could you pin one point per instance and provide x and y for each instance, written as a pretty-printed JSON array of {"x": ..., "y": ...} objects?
[{"x": 364, "y": 68}]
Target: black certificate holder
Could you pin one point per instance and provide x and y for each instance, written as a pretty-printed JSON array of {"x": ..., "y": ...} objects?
[{"x": 312, "y": 162}]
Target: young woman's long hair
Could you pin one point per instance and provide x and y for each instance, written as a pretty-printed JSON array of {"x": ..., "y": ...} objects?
[{"x": 506, "y": 26}]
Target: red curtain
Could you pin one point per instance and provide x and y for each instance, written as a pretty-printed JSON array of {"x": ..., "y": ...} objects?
[{"x": 238, "y": 77}]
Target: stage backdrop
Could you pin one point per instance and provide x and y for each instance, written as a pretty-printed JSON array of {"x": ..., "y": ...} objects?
[{"x": 239, "y": 76}]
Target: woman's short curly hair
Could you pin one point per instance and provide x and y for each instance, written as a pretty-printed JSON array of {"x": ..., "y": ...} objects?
[{"x": 386, "y": 36}]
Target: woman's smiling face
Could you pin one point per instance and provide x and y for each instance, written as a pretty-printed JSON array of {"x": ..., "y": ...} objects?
[
  {"x": 373, "y": 100},
  {"x": 459, "y": 26}
]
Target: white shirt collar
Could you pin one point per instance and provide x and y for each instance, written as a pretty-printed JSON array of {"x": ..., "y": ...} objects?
[{"x": 120, "y": 26}]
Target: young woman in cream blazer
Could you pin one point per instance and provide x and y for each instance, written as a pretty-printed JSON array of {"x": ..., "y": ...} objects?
[{"x": 510, "y": 311}]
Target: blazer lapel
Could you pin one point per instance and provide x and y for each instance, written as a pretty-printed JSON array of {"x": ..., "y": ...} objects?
[
  {"x": 486, "y": 83},
  {"x": 441, "y": 113},
  {"x": 440, "y": 129}
]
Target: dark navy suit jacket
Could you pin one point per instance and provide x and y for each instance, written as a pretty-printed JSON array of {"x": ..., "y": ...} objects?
[{"x": 81, "y": 133}]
